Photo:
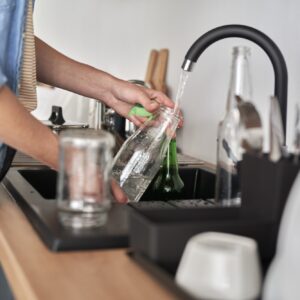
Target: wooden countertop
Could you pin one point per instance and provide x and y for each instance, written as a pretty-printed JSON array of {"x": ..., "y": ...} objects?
[{"x": 35, "y": 273}]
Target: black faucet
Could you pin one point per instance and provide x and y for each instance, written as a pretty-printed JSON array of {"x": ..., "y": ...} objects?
[{"x": 259, "y": 38}]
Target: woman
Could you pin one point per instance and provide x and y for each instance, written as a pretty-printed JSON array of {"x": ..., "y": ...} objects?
[{"x": 25, "y": 58}]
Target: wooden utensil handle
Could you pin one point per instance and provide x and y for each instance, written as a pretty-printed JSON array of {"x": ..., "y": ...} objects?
[
  {"x": 160, "y": 70},
  {"x": 151, "y": 66}
]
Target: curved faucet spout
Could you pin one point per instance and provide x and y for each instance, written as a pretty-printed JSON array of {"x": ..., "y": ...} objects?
[{"x": 259, "y": 38}]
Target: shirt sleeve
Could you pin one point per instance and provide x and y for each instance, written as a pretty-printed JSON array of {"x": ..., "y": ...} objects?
[
  {"x": 7, "y": 19},
  {"x": 3, "y": 78}
]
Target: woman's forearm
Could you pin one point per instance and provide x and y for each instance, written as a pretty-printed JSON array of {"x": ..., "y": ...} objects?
[
  {"x": 22, "y": 131},
  {"x": 58, "y": 70}
]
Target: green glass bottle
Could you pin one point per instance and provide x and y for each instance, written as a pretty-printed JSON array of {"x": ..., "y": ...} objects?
[{"x": 167, "y": 184}]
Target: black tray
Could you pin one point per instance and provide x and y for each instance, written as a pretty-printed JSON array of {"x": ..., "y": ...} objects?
[
  {"x": 40, "y": 208},
  {"x": 161, "y": 235},
  {"x": 34, "y": 189}
]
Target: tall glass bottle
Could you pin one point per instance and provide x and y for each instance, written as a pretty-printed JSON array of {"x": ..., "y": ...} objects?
[
  {"x": 228, "y": 147},
  {"x": 139, "y": 159},
  {"x": 167, "y": 184}
]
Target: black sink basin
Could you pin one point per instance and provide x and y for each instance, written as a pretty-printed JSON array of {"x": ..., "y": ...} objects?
[
  {"x": 198, "y": 184},
  {"x": 42, "y": 180},
  {"x": 34, "y": 189}
]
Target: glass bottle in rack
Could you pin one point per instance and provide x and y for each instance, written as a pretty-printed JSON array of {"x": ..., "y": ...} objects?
[{"x": 227, "y": 190}]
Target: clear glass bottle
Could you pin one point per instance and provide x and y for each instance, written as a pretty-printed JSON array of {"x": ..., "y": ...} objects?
[
  {"x": 139, "y": 159},
  {"x": 228, "y": 147},
  {"x": 168, "y": 185}
]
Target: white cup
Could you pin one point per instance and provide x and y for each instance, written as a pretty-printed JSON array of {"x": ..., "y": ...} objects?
[{"x": 220, "y": 266}]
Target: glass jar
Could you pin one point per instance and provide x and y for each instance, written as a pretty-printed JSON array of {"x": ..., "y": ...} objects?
[{"x": 84, "y": 170}]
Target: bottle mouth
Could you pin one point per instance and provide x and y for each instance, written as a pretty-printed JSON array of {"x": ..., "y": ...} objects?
[
  {"x": 241, "y": 49},
  {"x": 170, "y": 112}
]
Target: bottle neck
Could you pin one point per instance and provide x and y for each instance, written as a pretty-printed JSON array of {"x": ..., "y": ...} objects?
[
  {"x": 240, "y": 81},
  {"x": 171, "y": 156}
]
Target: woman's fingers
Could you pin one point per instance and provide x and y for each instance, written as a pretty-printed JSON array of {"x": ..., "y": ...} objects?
[
  {"x": 118, "y": 194},
  {"x": 159, "y": 98}
]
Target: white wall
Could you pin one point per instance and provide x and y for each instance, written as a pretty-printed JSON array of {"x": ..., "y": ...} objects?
[{"x": 117, "y": 35}]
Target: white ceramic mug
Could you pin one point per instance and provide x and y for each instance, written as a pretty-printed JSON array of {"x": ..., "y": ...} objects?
[{"x": 220, "y": 266}]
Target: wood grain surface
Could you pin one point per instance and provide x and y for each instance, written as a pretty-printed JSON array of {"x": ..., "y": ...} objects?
[{"x": 35, "y": 273}]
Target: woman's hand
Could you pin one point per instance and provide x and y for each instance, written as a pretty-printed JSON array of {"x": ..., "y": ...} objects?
[
  {"x": 118, "y": 193},
  {"x": 123, "y": 95}
]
